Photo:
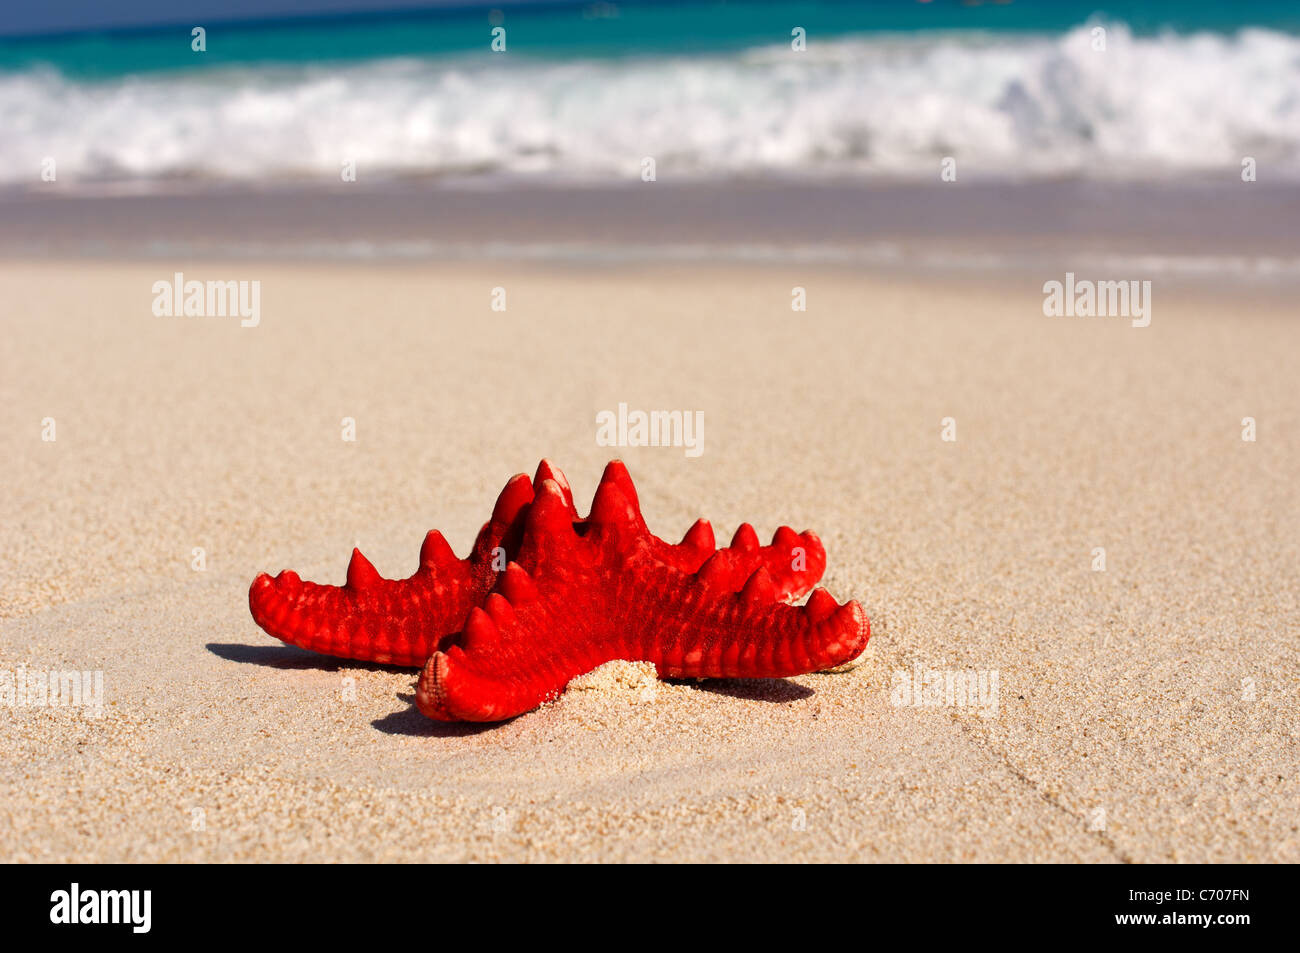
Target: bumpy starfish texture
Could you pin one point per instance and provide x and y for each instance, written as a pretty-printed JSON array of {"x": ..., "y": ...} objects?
[
  {"x": 582, "y": 594},
  {"x": 404, "y": 621}
]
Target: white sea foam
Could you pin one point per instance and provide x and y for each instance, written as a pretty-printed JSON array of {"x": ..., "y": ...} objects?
[{"x": 1147, "y": 107}]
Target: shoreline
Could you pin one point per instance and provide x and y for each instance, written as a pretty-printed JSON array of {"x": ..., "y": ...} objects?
[{"x": 1027, "y": 228}]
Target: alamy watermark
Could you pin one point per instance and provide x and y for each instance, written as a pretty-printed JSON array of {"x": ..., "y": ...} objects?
[
  {"x": 21, "y": 688},
  {"x": 1085, "y": 298},
  {"x": 132, "y": 908},
  {"x": 946, "y": 688},
  {"x": 656, "y": 428},
  {"x": 208, "y": 299}
]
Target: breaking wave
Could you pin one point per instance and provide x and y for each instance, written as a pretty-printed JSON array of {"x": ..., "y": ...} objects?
[{"x": 1002, "y": 105}]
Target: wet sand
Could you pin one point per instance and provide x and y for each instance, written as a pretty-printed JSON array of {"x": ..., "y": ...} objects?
[{"x": 1214, "y": 228}]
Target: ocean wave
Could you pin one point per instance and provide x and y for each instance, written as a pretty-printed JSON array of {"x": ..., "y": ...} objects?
[{"x": 1001, "y": 105}]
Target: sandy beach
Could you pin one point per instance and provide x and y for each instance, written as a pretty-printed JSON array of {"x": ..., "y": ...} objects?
[{"x": 1145, "y": 712}]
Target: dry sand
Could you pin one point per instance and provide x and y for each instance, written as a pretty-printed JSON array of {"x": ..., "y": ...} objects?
[{"x": 1145, "y": 713}]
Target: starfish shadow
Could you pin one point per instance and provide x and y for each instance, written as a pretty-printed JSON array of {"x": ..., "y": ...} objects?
[
  {"x": 412, "y": 722},
  {"x": 289, "y": 656},
  {"x": 409, "y": 721},
  {"x": 779, "y": 691}
]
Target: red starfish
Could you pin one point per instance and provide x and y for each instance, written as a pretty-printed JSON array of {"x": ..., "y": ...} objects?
[
  {"x": 403, "y": 621},
  {"x": 582, "y": 594}
]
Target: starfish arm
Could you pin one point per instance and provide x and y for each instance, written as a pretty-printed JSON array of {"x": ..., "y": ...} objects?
[{"x": 391, "y": 621}]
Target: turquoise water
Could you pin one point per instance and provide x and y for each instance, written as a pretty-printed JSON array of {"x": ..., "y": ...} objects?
[
  {"x": 598, "y": 30},
  {"x": 708, "y": 90}
]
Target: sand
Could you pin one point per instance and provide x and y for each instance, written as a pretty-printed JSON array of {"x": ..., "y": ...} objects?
[{"x": 1147, "y": 712}]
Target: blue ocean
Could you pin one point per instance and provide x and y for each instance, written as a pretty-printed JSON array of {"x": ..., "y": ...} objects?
[{"x": 581, "y": 92}]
